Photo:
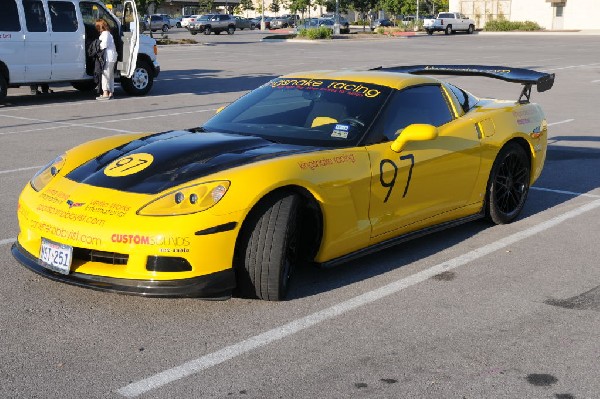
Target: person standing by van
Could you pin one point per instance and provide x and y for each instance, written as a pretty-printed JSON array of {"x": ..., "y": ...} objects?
[{"x": 107, "y": 44}]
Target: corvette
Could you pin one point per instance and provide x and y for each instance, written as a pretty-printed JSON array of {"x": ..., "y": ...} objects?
[{"x": 317, "y": 167}]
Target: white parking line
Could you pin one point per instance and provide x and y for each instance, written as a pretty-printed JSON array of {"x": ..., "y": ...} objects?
[
  {"x": 565, "y": 192},
  {"x": 596, "y": 81},
  {"x": 8, "y": 241},
  {"x": 571, "y": 67},
  {"x": 561, "y": 122},
  {"x": 69, "y": 124},
  {"x": 94, "y": 125},
  {"x": 19, "y": 169},
  {"x": 212, "y": 359}
]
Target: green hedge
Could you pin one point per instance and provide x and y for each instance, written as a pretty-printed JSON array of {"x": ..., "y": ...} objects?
[
  {"x": 316, "y": 33},
  {"x": 502, "y": 25}
]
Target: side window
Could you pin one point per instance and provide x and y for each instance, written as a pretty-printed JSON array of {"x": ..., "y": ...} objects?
[
  {"x": 466, "y": 100},
  {"x": 421, "y": 104},
  {"x": 35, "y": 17},
  {"x": 63, "y": 16},
  {"x": 90, "y": 12},
  {"x": 9, "y": 17}
]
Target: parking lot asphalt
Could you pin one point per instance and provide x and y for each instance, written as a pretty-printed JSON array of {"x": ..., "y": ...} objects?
[{"x": 477, "y": 311}]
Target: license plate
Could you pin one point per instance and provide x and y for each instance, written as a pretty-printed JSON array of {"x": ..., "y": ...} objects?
[{"x": 55, "y": 256}]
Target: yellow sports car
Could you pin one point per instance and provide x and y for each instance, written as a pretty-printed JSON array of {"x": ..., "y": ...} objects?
[{"x": 316, "y": 167}]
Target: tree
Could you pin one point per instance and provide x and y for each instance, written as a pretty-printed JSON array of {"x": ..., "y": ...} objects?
[
  {"x": 246, "y": 5},
  {"x": 393, "y": 7},
  {"x": 363, "y": 7},
  {"x": 274, "y": 7},
  {"x": 205, "y": 5}
]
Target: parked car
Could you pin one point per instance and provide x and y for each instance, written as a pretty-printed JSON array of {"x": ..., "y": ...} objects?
[
  {"x": 382, "y": 22},
  {"x": 284, "y": 21},
  {"x": 158, "y": 22},
  {"x": 67, "y": 27},
  {"x": 242, "y": 23},
  {"x": 213, "y": 23},
  {"x": 187, "y": 19},
  {"x": 310, "y": 168},
  {"x": 449, "y": 22},
  {"x": 329, "y": 23},
  {"x": 257, "y": 22}
]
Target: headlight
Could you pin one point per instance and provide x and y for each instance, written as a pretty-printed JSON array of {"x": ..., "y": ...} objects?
[
  {"x": 186, "y": 200},
  {"x": 43, "y": 177}
]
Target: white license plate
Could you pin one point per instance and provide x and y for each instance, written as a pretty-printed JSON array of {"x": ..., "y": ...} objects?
[{"x": 55, "y": 256}]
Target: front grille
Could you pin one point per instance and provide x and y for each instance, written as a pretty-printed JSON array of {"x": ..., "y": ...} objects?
[{"x": 90, "y": 255}]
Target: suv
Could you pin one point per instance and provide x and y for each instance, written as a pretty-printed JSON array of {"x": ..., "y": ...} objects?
[
  {"x": 213, "y": 23},
  {"x": 158, "y": 21},
  {"x": 45, "y": 41}
]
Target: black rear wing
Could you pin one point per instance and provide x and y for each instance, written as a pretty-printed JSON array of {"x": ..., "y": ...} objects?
[{"x": 527, "y": 77}]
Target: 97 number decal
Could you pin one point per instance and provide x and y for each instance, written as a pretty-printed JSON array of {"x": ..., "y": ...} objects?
[{"x": 390, "y": 184}]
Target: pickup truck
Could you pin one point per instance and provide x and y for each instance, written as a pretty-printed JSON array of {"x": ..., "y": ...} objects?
[{"x": 449, "y": 22}]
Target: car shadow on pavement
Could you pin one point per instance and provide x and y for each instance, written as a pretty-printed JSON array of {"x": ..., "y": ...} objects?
[
  {"x": 571, "y": 170},
  {"x": 195, "y": 81}
]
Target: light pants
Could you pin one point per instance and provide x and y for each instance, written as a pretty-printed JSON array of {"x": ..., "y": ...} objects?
[{"x": 108, "y": 77}]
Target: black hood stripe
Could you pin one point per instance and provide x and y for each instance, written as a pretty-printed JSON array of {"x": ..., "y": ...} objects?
[{"x": 181, "y": 156}]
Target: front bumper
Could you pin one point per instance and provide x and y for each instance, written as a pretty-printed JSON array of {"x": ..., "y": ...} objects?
[{"x": 216, "y": 285}]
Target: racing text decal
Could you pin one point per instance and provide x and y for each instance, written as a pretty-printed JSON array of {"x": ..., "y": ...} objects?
[{"x": 349, "y": 88}]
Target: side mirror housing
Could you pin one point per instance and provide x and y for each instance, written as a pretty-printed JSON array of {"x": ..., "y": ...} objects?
[{"x": 415, "y": 132}]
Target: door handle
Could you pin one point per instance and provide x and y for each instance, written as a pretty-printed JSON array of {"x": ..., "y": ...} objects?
[{"x": 55, "y": 49}]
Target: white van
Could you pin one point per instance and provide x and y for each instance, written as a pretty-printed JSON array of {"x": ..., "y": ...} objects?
[{"x": 45, "y": 41}]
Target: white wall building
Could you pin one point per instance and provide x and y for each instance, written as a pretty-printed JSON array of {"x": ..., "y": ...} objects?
[{"x": 549, "y": 14}]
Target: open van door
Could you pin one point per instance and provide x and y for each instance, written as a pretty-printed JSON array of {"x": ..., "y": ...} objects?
[{"x": 131, "y": 39}]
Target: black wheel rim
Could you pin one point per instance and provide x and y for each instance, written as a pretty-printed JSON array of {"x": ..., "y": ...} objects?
[{"x": 511, "y": 184}]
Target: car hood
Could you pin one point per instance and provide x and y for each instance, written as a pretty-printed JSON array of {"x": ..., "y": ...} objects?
[{"x": 175, "y": 157}]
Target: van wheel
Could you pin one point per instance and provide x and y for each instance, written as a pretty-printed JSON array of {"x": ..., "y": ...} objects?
[
  {"x": 207, "y": 30},
  {"x": 3, "y": 87},
  {"x": 165, "y": 28},
  {"x": 141, "y": 82},
  {"x": 86, "y": 85},
  {"x": 230, "y": 30}
]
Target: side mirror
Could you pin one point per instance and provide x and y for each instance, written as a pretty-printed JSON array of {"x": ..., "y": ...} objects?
[{"x": 415, "y": 132}]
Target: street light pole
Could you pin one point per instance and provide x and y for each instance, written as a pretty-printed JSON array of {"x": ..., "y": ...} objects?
[
  {"x": 262, "y": 20},
  {"x": 336, "y": 22}
]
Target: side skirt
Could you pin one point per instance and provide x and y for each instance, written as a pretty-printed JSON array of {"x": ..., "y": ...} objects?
[{"x": 400, "y": 239}]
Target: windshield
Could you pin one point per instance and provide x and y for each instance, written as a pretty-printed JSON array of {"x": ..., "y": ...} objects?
[{"x": 316, "y": 112}]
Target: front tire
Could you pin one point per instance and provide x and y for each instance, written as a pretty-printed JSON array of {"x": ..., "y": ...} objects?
[
  {"x": 429, "y": 31},
  {"x": 165, "y": 28},
  {"x": 207, "y": 30},
  {"x": 508, "y": 185},
  {"x": 471, "y": 29},
  {"x": 141, "y": 81},
  {"x": 3, "y": 87},
  {"x": 230, "y": 30},
  {"x": 268, "y": 249}
]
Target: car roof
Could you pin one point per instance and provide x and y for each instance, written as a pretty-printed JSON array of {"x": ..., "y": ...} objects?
[{"x": 394, "y": 80}]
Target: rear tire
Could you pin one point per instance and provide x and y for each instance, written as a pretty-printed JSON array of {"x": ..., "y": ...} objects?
[
  {"x": 448, "y": 30},
  {"x": 207, "y": 30},
  {"x": 141, "y": 81},
  {"x": 165, "y": 28},
  {"x": 508, "y": 185},
  {"x": 429, "y": 32},
  {"x": 268, "y": 249},
  {"x": 230, "y": 30}
]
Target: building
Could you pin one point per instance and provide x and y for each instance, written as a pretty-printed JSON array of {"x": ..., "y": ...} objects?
[{"x": 549, "y": 14}]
